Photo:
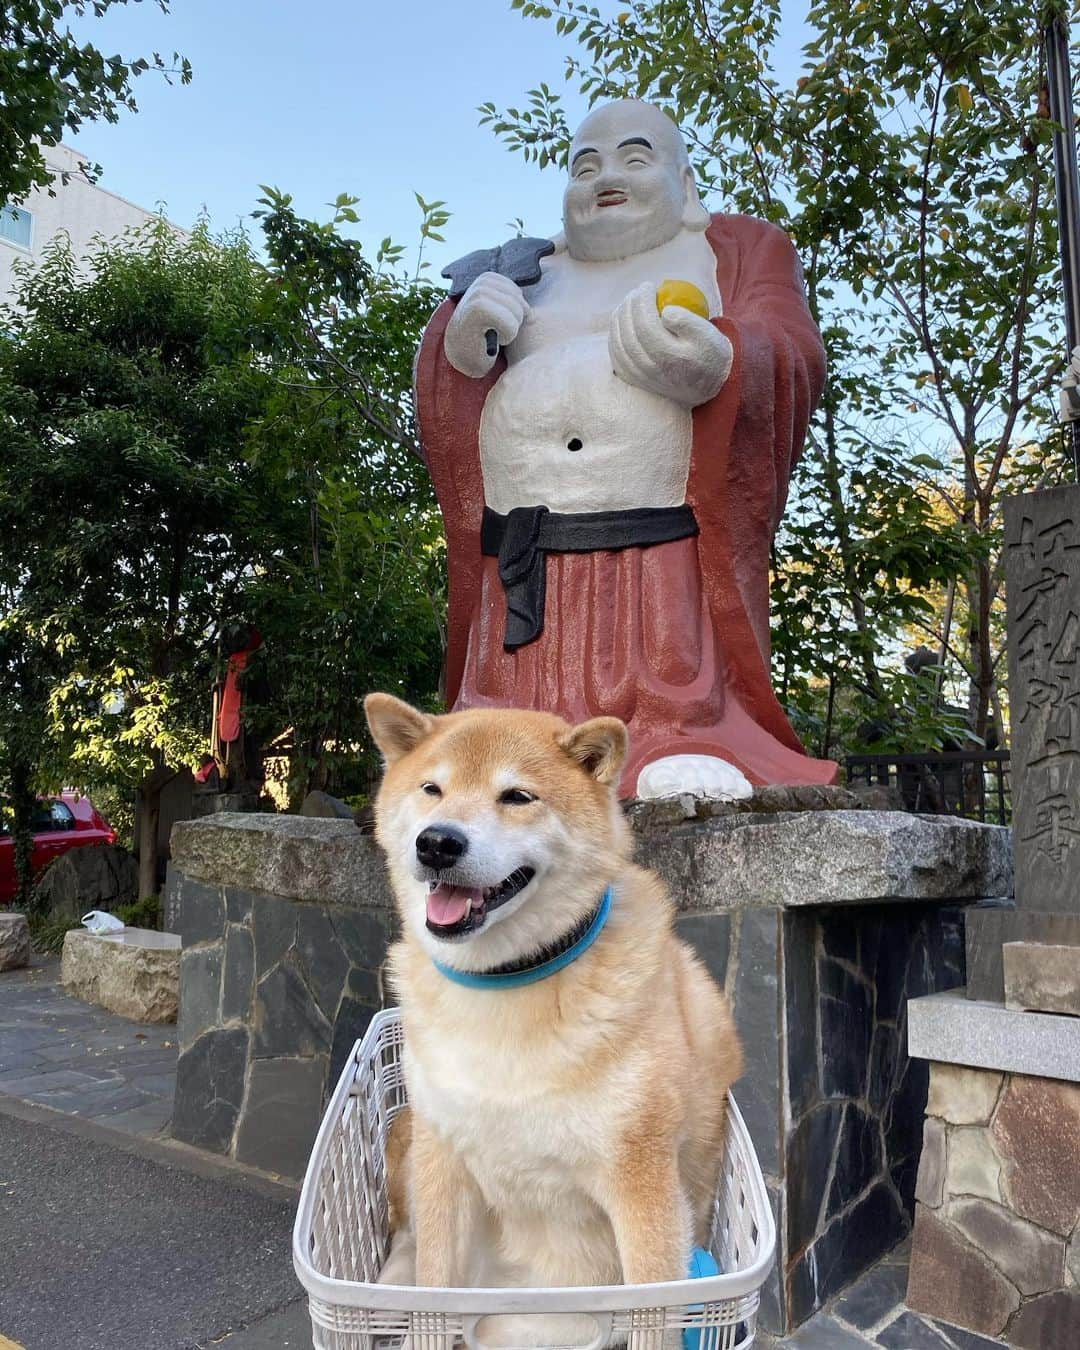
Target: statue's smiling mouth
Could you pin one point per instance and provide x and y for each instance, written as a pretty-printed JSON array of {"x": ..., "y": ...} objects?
[{"x": 611, "y": 197}]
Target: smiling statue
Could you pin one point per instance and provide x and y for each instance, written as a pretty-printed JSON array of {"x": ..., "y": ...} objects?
[{"x": 610, "y": 419}]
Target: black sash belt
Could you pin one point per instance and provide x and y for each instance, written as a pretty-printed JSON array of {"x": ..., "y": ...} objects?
[{"x": 520, "y": 540}]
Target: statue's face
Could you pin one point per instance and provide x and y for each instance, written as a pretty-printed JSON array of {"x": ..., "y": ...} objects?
[{"x": 630, "y": 186}]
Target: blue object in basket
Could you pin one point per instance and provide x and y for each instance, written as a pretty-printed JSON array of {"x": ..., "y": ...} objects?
[{"x": 702, "y": 1265}]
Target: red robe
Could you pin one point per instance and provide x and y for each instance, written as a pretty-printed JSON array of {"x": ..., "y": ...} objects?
[{"x": 673, "y": 638}]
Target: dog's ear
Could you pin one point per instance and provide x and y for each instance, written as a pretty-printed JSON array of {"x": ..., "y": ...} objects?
[
  {"x": 395, "y": 727},
  {"x": 600, "y": 746}
]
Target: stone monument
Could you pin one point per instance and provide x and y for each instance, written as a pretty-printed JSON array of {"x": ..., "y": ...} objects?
[{"x": 612, "y": 464}]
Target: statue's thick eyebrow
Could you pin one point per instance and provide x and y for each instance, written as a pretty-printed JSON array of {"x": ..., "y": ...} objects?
[
  {"x": 635, "y": 140},
  {"x": 588, "y": 150}
]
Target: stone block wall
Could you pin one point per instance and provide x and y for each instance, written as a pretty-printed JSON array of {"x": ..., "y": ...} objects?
[
  {"x": 997, "y": 1221},
  {"x": 274, "y": 992},
  {"x": 852, "y": 1100}
]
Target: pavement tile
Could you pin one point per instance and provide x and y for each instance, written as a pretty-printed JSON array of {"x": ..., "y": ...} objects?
[
  {"x": 873, "y": 1296},
  {"x": 825, "y": 1333},
  {"x": 157, "y": 1084},
  {"x": 20, "y": 1083},
  {"x": 18, "y": 1059},
  {"x": 965, "y": 1340},
  {"x": 152, "y": 1119},
  {"x": 910, "y": 1332},
  {"x": 83, "y": 1060}
]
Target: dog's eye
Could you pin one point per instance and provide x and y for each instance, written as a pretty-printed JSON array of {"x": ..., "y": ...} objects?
[
  {"x": 516, "y": 797},
  {"x": 432, "y": 789}
]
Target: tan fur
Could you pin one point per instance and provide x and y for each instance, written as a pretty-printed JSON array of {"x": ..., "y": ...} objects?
[{"x": 571, "y": 1131}]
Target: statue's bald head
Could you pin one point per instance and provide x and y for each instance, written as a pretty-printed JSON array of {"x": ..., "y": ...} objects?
[{"x": 631, "y": 186}]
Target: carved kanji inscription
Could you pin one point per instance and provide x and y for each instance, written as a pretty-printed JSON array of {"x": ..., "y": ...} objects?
[{"x": 1042, "y": 573}]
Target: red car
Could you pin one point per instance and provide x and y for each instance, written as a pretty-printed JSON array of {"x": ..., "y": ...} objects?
[{"x": 60, "y": 823}]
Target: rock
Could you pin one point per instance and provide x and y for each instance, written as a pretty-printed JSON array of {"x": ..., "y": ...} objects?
[
  {"x": 321, "y": 806},
  {"x": 1041, "y": 977},
  {"x": 770, "y": 799},
  {"x": 792, "y": 858},
  {"x": 135, "y": 973},
  {"x": 989, "y": 926},
  {"x": 973, "y": 1167},
  {"x": 1037, "y": 1131},
  {"x": 951, "y": 1028},
  {"x": 200, "y": 992},
  {"x": 14, "y": 941},
  {"x": 210, "y": 1089},
  {"x": 960, "y": 1095},
  {"x": 1072, "y": 1257},
  {"x": 951, "y": 1279},
  {"x": 287, "y": 1019},
  {"x": 281, "y": 1114},
  {"x": 1048, "y": 1323},
  {"x": 1032, "y": 1259},
  {"x": 321, "y": 860},
  {"x": 877, "y": 797},
  {"x": 102, "y": 876},
  {"x": 930, "y": 1185}
]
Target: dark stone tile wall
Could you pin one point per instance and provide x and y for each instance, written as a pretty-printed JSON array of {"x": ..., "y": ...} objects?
[
  {"x": 833, "y": 1103},
  {"x": 274, "y": 993},
  {"x": 854, "y": 1101}
]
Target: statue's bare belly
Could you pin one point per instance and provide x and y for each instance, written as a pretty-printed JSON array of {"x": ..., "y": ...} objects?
[{"x": 560, "y": 429}]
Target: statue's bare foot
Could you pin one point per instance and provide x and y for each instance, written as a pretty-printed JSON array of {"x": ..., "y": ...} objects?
[{"x": 695, "y": 776}]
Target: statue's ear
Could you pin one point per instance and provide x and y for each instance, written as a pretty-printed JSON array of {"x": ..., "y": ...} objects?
[
  {"x": 600, "y": 746},
  {"x": 695, "y": 213},
  {"x": 395, "y": 727}
]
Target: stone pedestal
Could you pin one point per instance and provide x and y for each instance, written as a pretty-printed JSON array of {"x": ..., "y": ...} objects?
[
  {"x": 135, "y": 973},
  {"x": 14, "y": 941},
  {"x": 819, "y": 924},
  {"x": 997, "y": 1221}
]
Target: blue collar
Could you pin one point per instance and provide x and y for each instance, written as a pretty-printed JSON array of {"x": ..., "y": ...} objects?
[{"x": 514, "y": 979}]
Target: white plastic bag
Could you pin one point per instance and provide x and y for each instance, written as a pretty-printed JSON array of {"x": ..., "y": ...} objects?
[{"x": 97, "y": 921}]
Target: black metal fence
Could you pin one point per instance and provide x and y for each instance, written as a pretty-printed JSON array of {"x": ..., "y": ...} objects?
[{"x": 971, "y": 783}]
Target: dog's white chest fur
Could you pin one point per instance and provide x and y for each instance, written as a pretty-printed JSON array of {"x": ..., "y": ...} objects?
[{"x": 536, "y": 1149}]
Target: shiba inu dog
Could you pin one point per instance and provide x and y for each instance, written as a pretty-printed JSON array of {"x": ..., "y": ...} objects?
[{"x": 568, "y": 1059}]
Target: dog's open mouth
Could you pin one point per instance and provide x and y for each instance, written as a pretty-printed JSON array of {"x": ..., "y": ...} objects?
[{"x": 456, "y": 911}]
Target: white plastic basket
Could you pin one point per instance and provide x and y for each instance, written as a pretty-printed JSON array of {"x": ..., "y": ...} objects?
[{"x": 340, "y": 1242}]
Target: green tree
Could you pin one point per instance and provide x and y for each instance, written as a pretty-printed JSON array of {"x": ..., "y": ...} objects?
[
  {"x": 193, "y": 439},
  {"x": 356, "y": 598},
  {"x": 51, "y": 83},
  {"x": 129, "y": 511},
  {"x": 910, "y": 161}
]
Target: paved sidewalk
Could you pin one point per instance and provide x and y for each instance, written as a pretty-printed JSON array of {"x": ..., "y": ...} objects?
[{"x": 80, "y": 1059}]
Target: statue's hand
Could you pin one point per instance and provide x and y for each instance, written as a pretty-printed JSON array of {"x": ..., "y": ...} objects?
[
  {"x": 676, "y": 353},
  {"x": 493, "y": 303}
]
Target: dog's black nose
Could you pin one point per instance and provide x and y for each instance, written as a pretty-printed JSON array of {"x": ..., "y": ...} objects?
[{"x": 440, "y": 846}]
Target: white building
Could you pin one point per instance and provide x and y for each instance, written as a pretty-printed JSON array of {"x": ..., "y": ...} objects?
[{"x": 79, "y": 207}]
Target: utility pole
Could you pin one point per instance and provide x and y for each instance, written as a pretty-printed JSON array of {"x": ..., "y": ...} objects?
[{"x": 1059, "y": 88}]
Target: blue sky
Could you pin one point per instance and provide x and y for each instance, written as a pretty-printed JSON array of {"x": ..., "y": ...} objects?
[
  {"x": 328, "y": 96},
  {"x": 373, "y": 97}
]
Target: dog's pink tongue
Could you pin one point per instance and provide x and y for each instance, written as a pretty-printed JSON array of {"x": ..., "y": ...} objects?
[{"x": 446, "y": 904}]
